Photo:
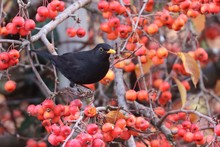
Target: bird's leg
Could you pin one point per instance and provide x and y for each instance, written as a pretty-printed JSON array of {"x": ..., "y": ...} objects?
[
  {"x": 82, "y": 90},
  {"x": 85, "y": 90}
]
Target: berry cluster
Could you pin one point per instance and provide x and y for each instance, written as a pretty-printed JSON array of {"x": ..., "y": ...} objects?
[
  {"x": 19, "y": 25},
  {"x": 8, "y": 59},
  {"x": 55, "y": 118},
  {"x": 92, "y": 136},
  {"x": 71, "y": 32},
  {"x": 48, "y": 112},
  {"x": 190, "y": 132},
  {"x": 50, "y": 11}
]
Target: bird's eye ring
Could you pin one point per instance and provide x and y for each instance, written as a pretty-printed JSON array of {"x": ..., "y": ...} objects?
[{"x": 101, "y": 49}]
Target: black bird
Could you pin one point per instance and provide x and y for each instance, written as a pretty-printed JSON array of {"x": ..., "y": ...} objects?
[{"x": 84, "y": 67}]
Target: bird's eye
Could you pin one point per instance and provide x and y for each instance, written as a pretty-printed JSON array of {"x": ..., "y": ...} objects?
[{"x": 101, "y": 49}]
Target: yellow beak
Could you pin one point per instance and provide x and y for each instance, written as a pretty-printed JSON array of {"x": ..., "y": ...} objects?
[{"x": 111, "y": 51}]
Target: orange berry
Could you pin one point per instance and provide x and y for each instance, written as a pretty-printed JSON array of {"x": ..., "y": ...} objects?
[
  {"x": 157, "y": 61},
  {"x": 120, "y": 64},
  {"x": 110, "y": 76},
  {"x": 131, "y": 95},
  {"x": 157, "y": 83},
  {"x": 162, "y": 52},
  {"x": 130, "y": 67},
  {"x": 107, "y": 127},
  {"x": 142, "y": 95},
  {"x": 130, "y": 46},
  {"x": 151, "y": 29},
  {"x": 151, "y": 54}
]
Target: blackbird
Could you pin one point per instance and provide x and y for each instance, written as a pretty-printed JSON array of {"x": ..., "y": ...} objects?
[{"x": 84, "y": 67}]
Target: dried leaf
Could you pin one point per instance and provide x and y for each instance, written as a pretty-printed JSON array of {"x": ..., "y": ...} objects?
[
  {"x": 190, "y": 66},
  {"x": 199, "y": 23},
  {"x": 113, "y": 116},
  {"x": 182, "y": 90}
]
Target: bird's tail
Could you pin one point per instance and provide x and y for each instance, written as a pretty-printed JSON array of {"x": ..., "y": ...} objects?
[{"x": 43, "y": 54}]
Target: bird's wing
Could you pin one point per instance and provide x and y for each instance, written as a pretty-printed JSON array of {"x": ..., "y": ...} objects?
[{"x": 70, "y": 65}]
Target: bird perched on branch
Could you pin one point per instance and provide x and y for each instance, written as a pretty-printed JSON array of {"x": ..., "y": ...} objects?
[{"x": 84, "y": 67}]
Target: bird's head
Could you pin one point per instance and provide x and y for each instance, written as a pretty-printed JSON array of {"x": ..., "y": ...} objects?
[{"x": 104, "y": 49}]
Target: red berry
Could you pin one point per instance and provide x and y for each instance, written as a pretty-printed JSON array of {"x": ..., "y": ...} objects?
[
  {"x": 186, "y": 124},
  {"x": 58, "y": 110},
  {"x": 217, "y": 130},
  {"x": 31, "y": 143},
  {"x": 52, "y": 139},
  {"x": 30, "y": 109},
  {"x": 40, "y": 18},
  {"x": 86, "y": 139},
  {"x": 107, "y": 137},
  {"x": 42, "y": 11},
  {"x": 167, "y": 95},
  {"x": 65, "y": 130},
  {"x": 116, "y": 132},
  {"x": 74, "y": 109},
  {"x": 23, "y": 32},
  {"x": 48, "y": 104},
  {"x": 71, "y": 32},
  {"x": 61, "y": 6},
  {"x": 10, "y": 86},
  {"x": 188, "y": 137},
  {"x": 103, "y": 6},
  {"x": 14, "y": 54},
  {"x": 42, "y": 144},
  {"x": 181, "y": 132},
  {"x": 92, "y": 129},
  {"x": 76, "y": 102},
  {"x": 12, "y": 28},
  {"x": 105, "y": 27},
  {"x": 155, "y": 143},
  {"x": 13, "y": 62},
  {"x": 4, "y": 57},
  {"x": 74, "y": 143},
  {"x": 194, "y": 128},
  {"x": 55, "y": 129},
  {"x": 114, "y": 6},
  {"x": 80, "y": 32},
  {"x": 198, "y": 136},
  {"x": 165, "y": 86},
  {"x": 18, "y": 21},
  {"x": 114, "y": 22},
  {"x": 98, "y": 143},
  {"x": 141, "y": 123},
  {"x": 29, "y": 25},
  {"x": 55, "y": 5},
  {"x": 131, "y": 121}
]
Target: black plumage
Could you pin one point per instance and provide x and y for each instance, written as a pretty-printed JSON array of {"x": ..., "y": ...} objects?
[{"x": 84, "y": 67}]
